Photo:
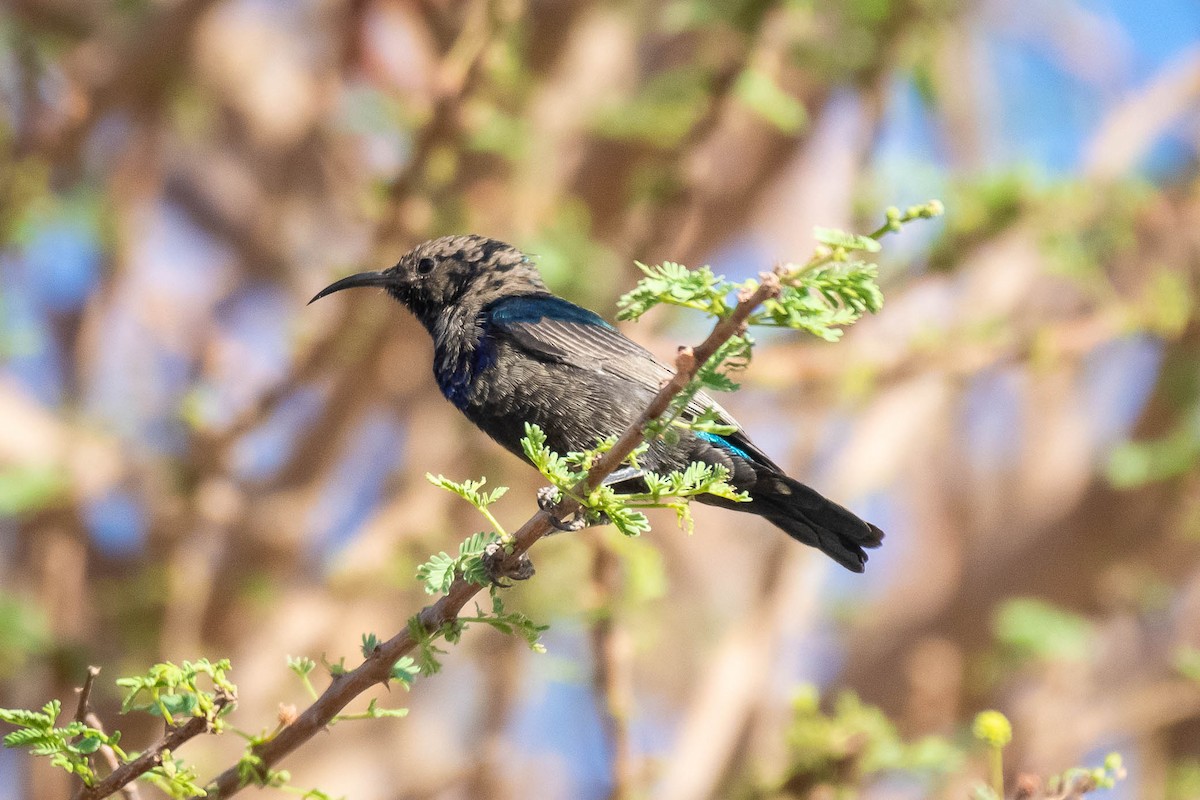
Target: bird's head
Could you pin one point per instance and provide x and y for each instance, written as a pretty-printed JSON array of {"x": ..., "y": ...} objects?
[{"x": 448, "y": 272}]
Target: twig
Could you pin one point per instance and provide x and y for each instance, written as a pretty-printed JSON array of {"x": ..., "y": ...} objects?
[
  {"x": 130, "y": 790},
  {"x": 153, "y": 756},
  {"x": 376, "y": 668},
  {"x": 82, "y": 714},
  {"x": 85, "y": 693}
]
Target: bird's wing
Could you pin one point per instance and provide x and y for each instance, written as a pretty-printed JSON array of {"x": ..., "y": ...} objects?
[{"x": 556, "y": 330}]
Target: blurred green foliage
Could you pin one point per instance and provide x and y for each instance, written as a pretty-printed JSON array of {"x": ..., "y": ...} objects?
[
  {"x": 852, "y": 744},
  {"x": 24, "y": 633},
  {"x": 1032, "y": 629},
  {"x": 25, "y": 489},
  {"x": 1183, "y": 780}
]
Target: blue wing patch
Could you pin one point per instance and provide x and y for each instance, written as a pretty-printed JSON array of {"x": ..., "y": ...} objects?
[
  {"x": 531, "y": 309},
  {"x": 553, "y": 329},
  {"x": 724, "y": 444}
]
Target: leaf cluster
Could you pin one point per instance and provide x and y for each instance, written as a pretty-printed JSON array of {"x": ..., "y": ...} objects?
[
  {"x": 25, "y": 489},
  {"x": 824, "y": 299},
  {"x": 471, "y": 492},
  {"x": 1029, "y": 629},
  {"x": 68, "y": 747},
  {"x": 674, "y": 284},
  {"x": 438, "y": 573},
  {"x": 513, "y": 623},
  {"x": 175, "y": 778},
  {"x": 624, "y": 509},
  {"x": 842, "y": 748},
  {"x": 167, "y": 691},
  {"x": 833, "y": 289},
  {"x": 510, "y": 623},
  {"x": 854, "y": 741}
]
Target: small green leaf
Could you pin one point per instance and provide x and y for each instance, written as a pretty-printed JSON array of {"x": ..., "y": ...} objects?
[
  {"x": 847, "y": 241},
  {"x": 405, "y": 671},
  {"x": 375, "y": 712},
  {"x": 301, "y": 666},
  {"x": 437, "y": 573},
  {"x": 90, "y": 743}
]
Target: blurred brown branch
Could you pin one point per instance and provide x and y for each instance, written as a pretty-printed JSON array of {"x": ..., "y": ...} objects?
[
  {"x": 415, "y": 119},
  {"x": 611, "y": 665}
]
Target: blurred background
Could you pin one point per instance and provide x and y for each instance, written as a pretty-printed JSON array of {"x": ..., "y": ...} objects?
[{"x": 193, "y": 463}]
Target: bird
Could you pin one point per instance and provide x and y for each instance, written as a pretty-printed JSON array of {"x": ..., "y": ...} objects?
[{"x": 507, "y": 351}]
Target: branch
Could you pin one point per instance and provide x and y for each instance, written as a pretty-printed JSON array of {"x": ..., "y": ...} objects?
[
  {"x": 82, "y": 714},
  {"x": 130, "y": 790},
  {"x": 85, "y": 693},
  {"x": 377, "y": 666},
  {"x": 153, "y": 756}
]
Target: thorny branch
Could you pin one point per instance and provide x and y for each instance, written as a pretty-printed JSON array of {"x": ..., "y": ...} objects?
[{"x": 153, "y": 756}]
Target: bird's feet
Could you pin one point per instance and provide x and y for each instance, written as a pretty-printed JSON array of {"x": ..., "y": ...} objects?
[
  {"x": 547, "y": 499},
  {"x": 502, "y": 565}
]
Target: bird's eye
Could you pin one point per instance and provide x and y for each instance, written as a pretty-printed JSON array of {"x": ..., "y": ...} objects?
[{"x": 425, "y": 266}]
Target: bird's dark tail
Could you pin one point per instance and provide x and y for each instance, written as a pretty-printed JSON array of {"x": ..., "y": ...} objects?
[{"x": 814, "y": 520}]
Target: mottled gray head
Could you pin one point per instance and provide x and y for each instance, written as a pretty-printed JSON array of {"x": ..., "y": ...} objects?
[{"x": 450, "y": 271}]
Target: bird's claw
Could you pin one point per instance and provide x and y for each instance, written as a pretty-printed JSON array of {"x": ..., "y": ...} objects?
[
  {"x": 547, "y": 499},
  {"x": 500, "y": 565},
  {"x": 575, "y": 522}
]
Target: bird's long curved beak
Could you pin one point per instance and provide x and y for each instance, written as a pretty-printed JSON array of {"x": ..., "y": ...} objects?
[{"x": 361, "y": 279}]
